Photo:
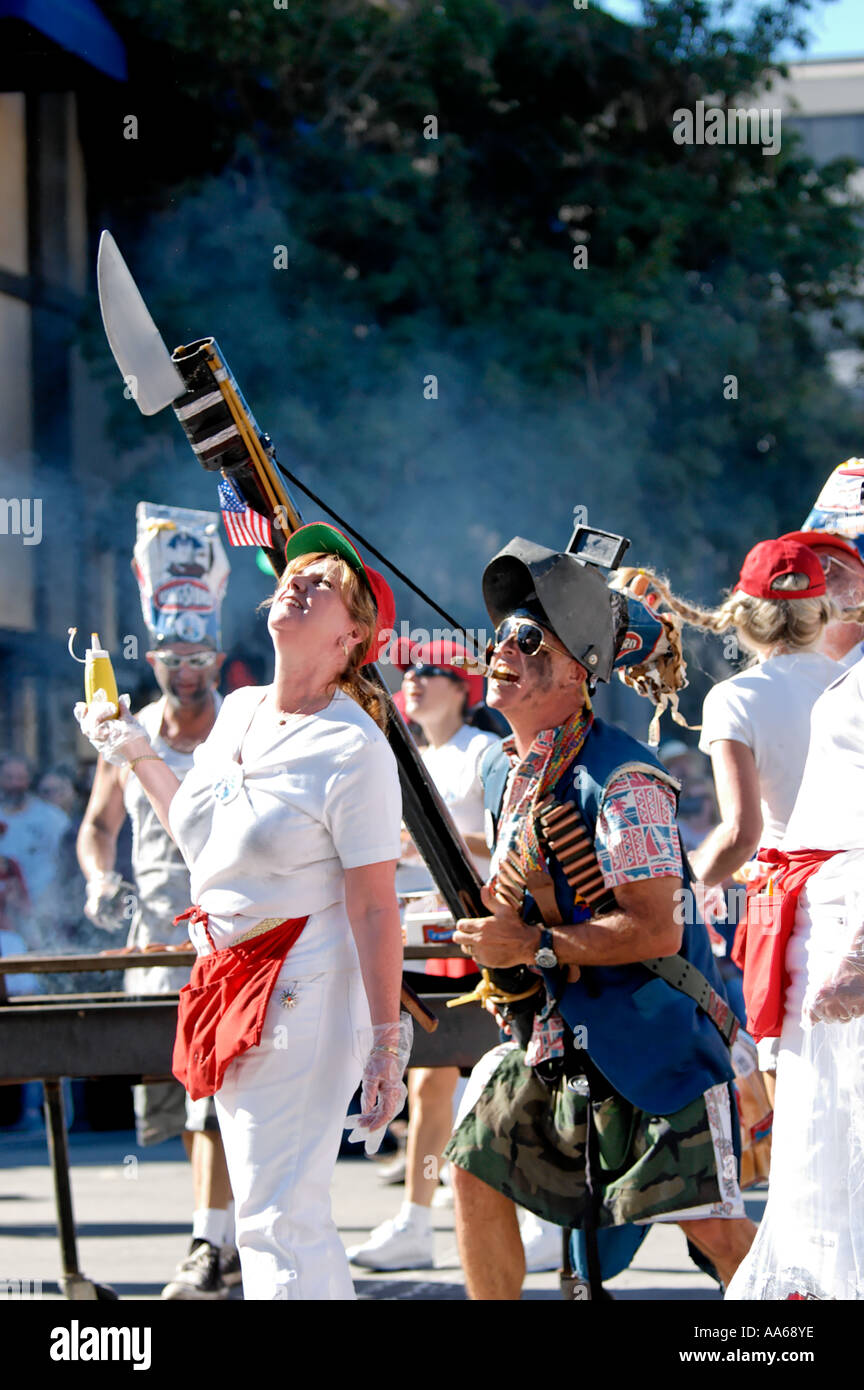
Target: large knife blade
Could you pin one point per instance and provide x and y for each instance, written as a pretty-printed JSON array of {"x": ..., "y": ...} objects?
[{"x": 144, "y": 361}]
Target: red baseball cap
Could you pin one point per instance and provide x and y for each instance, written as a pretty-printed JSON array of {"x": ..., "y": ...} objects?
[
  {"x": 446, "y": 653},
  {"x": 769, "y": 560},
  {"x": 826, "y": 540},
  {"x": 318, "y": 536}
]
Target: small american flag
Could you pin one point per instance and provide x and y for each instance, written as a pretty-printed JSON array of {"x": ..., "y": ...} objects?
[{"x": 244, "y": 526}]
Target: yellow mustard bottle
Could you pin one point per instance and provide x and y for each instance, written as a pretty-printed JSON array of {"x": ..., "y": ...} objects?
[{"x": 98, "y": 671}]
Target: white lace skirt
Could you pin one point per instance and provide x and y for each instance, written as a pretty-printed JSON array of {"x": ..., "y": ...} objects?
[{"x": 810, "y": 1243}]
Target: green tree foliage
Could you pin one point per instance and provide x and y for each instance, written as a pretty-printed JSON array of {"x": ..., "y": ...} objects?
[{"x": 407, "y": 256}]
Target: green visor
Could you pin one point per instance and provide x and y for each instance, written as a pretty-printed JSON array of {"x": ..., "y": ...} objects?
[{"x": 318, "y": 536}]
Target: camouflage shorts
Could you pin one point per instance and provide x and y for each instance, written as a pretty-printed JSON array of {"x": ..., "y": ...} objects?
[{"x": 528, "y": 1141}]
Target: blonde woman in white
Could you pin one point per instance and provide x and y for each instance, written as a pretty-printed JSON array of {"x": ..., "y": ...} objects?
[{"x": 756, "y": 724}]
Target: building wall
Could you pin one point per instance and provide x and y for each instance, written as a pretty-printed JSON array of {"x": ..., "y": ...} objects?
[
  {"x": 44, "y": 389},
  {"x": 824, "y": 101},
  {"x": 16, "y": 559}
]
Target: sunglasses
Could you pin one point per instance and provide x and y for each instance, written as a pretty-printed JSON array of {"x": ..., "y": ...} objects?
[
  {"x": 425, "y": 668},
  {"x": 529, "y": 637},
  {"x": 197, "y": 661},
  {"x": 829, "y": 562}
]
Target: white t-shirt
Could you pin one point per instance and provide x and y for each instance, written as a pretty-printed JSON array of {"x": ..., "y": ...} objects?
[
  {"x": 768, "y": 709},
  {"x": 829, "y": 811},
  {"x": 454, "y": 767},
  {"x": 272, "y": 837},
  {"x": 32, "y": 838}
]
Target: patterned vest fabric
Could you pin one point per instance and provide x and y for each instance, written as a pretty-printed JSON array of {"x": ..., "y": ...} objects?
[{"x": 653, "y": 1043}]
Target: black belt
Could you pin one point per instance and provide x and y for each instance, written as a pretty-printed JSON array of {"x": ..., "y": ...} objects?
[{"x": 682, "y": 975}]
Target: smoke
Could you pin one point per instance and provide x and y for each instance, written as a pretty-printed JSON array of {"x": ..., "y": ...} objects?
[
  {"x": 424, "y": 437},
  {"x": 428, "y": 444}
]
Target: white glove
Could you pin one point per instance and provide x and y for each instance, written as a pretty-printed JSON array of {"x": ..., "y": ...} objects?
[
  {"x": 384, "y": 1091},
  {"x": 841, "y": 998},
  {"x": 107, "y": 901},
  {"x": 108, "y": 735}
]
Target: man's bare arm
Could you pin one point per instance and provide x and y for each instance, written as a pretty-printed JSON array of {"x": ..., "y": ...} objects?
[
  {"x": 644, "y": 927},
  {"x": 97, "y": 838},
  {"x": 731, "y": 843}
]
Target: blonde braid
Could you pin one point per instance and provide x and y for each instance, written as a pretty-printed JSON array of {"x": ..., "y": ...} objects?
[{"x": 640, "y": 581}]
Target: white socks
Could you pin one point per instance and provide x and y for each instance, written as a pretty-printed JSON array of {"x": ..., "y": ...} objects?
[
  {"x": 209, "y": 1223},
  {"x": 412, "y": 1214}
]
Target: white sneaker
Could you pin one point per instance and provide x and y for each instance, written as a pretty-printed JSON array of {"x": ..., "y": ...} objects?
[
  {"x": 393, "y": 1173},
  {"x": 542, "y": 1242},
  {"x": 391, "y": 1246},
  {"x": 443, "y": 1197}
]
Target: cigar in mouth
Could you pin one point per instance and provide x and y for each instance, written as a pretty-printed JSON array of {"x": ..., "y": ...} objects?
[{"x": 483, "y": 668}]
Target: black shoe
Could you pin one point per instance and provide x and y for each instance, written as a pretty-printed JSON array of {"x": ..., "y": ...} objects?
[
  {"x": 229, "y": 1266},
  {"x": 198, "y": 1275}
]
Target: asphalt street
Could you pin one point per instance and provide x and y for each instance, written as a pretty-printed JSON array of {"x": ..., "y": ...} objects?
[{"x": 133, "y": 1214}]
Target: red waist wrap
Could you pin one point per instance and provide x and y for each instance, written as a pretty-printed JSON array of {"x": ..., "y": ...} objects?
[
  {"x": 762, "y": 938},
  {"x": 221, "y": 1010}
]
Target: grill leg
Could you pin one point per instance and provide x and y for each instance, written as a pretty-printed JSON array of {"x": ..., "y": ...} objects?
[{"x": 73, "y": 1283}]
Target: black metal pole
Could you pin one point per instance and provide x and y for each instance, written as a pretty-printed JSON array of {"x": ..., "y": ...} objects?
[
  {"x": 592, "y": 1207},
  {"x": 58, "y": 1150}
]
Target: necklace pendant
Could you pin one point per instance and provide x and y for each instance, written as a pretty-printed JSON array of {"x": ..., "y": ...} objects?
[{"x": 227, "y": 787}]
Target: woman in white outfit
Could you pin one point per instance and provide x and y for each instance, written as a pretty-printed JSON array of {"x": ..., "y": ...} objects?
[
  {"x": 289, "y": 823},
  {"x": 756, "y": 724},
  {"x": 810, "y": 1244}
]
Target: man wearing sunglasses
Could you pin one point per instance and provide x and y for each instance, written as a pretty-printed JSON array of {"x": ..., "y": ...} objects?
[
  {"x": 844, "y": 584},
  {"x": 622, "y": 1087},
  {"x": 181, "y": 614},
  {"x": 834, "y": 529}
]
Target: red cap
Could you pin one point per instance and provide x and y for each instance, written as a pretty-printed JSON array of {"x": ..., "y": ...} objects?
[
  {"x": 444, "y": 652},
  {"x": 320, "y": 536},
  {"x": 386, "y": 604},
  {"x": 826, "y": 540},
  {"x": 769, "y": 560},
  {"x": 398, "y": 698}
]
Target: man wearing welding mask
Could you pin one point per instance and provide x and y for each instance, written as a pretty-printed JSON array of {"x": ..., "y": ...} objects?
[{"x": 615, "y": 1107}]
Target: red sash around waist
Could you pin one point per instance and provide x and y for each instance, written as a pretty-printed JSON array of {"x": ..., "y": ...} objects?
[
  {"x": 221, "y": 1010},
  {"x": 762, "y": 938}
]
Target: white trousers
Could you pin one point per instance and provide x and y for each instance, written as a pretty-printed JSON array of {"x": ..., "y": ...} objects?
[
  {"x": 811, "y": 1238},
  {"x": 281, "y": 1110}
]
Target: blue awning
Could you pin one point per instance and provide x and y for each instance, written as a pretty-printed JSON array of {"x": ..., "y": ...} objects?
[{"x": 76, "y": 25}]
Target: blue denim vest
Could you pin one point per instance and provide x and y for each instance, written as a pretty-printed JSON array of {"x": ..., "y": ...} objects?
[{"x": 653, "y": 1043}]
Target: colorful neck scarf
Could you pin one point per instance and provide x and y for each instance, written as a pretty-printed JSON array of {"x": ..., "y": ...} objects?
[{"x": 545, "y": 763}]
